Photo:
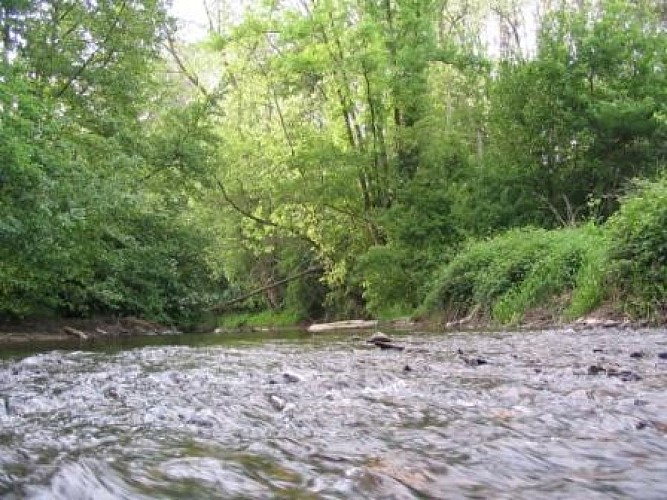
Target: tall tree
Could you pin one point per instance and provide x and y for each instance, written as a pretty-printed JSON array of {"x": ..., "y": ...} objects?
[
  {"x": 85, "y": 224},
  {"x": 574, "y": 124}
]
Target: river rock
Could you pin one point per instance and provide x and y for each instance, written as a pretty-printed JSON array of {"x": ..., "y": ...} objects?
[
  {"x": 388, "y": 345},
  {"x": 471, "y": 360},
  {"x": 595, "y": 370},
  {"x": 379, "y": 337},
  {"x": 277, "y": 402},
  {"x": 291, "y": 378}
]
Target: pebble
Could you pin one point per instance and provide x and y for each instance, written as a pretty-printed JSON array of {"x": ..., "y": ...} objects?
[{"x": 277, "y": 402}]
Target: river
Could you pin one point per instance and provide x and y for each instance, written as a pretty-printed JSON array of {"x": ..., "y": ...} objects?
[{"x": 548, "y": 414}]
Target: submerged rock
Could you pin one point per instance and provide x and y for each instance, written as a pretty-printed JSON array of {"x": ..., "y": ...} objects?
[
  {"x": 389, "y": 345},
  {"x": 383, "y": 341},
  {"x": 471, "y": 361},
  {"x": 277, "y": 402},
  {"x": 611, "y": 371}
]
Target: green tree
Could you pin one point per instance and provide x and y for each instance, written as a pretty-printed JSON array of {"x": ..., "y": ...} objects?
[
  {"x": 574, "y": 124},
  {"x": 93, "y": 218}
]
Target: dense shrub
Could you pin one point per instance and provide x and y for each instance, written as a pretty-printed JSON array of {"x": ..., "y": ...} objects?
[
  {"x": 390, "y": 281},
  {"x": 515, "y": 271},
  {"x": 638, "y": 232}
]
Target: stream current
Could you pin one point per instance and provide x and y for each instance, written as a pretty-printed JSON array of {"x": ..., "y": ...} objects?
[{"x": 551, "y": 414}]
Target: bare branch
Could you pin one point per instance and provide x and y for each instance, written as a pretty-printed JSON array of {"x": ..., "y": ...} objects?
[{"x": 192, "y": 78}]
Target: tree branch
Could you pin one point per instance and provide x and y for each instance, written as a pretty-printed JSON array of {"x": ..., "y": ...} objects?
[
  {"x": 92, "y": 56},
  {"x": 257, "y": 291},
  {"x": 192, "y": 78}
]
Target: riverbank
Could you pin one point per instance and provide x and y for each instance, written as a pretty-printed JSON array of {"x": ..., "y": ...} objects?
[
  {"x": 55, "y": 330},
  {"x": 68, "y": 329}
]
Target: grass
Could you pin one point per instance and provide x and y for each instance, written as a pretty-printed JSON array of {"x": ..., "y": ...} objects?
[
  {"x": 266, "y": 319},
  {"x": 508, "y": 275}
]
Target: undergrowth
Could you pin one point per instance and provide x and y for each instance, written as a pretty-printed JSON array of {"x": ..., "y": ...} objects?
[
  {"x": 266, "y": 318},
  {"x": 506, "y": 276},
  {"x": 573, "y": 270}
]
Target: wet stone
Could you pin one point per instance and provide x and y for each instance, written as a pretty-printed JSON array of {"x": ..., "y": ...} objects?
[
  {"x": 595, "y": 370},
  {"x": 277, "y": 402},
  {"x": 379, "y": 337},
  {"x": 471, "y": 360},
  {"x": 111, "y": 393},
  {"x": 628, "y": 376},
  {"x": 291, "y": 378},
  {"x": 389, "y": 345}
]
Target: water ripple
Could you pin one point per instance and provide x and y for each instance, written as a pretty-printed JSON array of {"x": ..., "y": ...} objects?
[{"x": 559, "y": 414}]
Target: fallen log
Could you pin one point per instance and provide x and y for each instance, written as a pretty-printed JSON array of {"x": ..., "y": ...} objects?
[
  {"x": 354, "y": 324},
  {"x": 75, "y": 333},
  {"x": 257, "y": 291}
]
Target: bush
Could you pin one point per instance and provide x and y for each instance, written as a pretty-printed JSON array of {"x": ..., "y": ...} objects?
[
  {"x": 638, "y": 235},
  {"x": 515, "y": 271},
  {"x": 569, "y": 260},
  {"x": 390, "y": 289}
]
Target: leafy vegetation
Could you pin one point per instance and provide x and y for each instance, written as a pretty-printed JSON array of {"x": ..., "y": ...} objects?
[
  {"x": 638, "y": 232},
  {"x": 331, "y": 159},
  {"x": 573, "y": 270},
  {"x": 506, "y": 276}
]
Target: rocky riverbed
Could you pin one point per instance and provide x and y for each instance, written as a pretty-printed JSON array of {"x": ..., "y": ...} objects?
[{"x": 553, "y": 413}]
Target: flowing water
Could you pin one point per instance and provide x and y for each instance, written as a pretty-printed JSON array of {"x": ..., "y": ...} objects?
[{"x": 552, "y": 414}]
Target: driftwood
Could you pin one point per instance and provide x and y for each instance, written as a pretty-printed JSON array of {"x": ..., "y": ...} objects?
[
  {"x": 355, "y": 324},
  {"x": 75, "y": 333}
]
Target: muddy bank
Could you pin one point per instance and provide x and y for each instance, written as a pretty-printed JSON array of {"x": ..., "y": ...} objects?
[
  {"x": 63, "y": 330},
  {"x": 38, "y": 331}
]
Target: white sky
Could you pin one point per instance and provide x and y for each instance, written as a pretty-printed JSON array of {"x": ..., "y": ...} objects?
[
  {"x": 193, "y": 22},
  {"x": 192, "y": 18}
]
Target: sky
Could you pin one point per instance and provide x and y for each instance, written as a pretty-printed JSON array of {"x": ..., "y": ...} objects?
[
  {"x": 193, "y": 21},
  {"x": 192, "y": 15}
]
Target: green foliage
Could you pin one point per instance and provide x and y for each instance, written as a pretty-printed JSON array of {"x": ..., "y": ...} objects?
[
  {"x": 507, "y": 275},
  {"x": 560, "y": 268},
  {"x": 638, "y": 232},
  {"x": 91, "y": 218},
  {"x": 389, "y": 285},
  {"x": 260, "y": 319},
  {"x": 366, "y": 139},
  {"x": 580, "y": 119}
]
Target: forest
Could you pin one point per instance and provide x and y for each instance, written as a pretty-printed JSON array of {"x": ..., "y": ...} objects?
[{"x": 323, "y": 159}]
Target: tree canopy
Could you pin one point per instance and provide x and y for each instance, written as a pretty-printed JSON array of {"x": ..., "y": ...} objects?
[{"x": 343, "y": 150}]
